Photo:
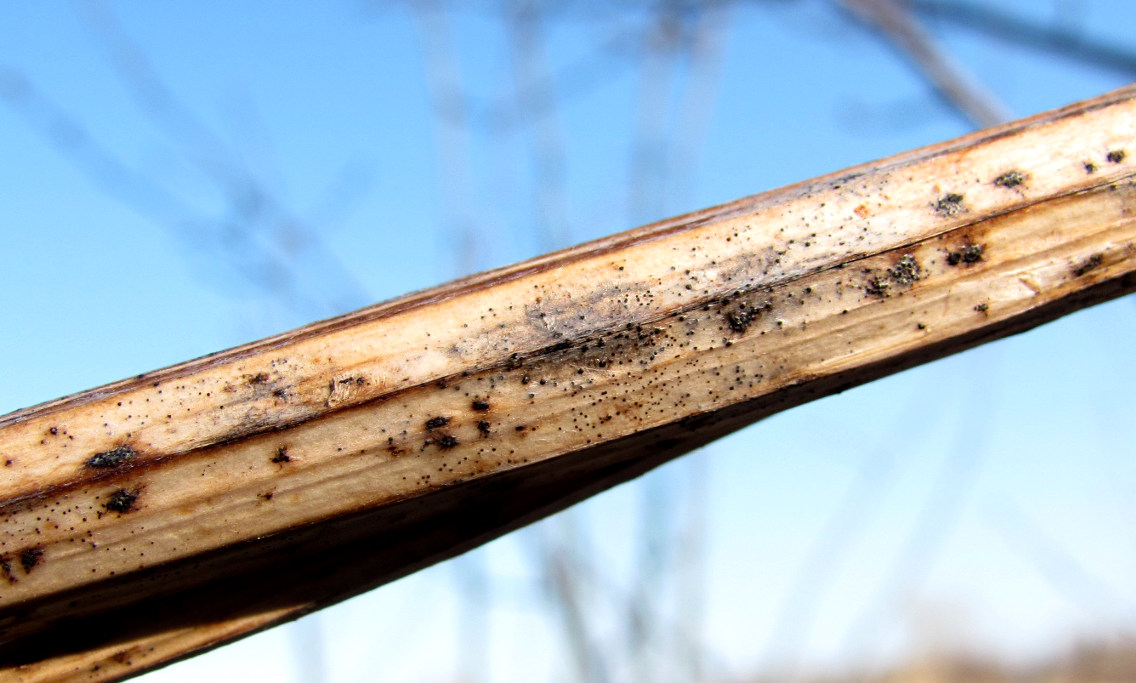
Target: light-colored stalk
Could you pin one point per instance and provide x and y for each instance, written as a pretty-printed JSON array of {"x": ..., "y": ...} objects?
[{"x": 162, "y": 515}]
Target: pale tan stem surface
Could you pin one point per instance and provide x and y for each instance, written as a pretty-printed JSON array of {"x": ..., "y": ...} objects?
[{"x": 162, "y": 515}]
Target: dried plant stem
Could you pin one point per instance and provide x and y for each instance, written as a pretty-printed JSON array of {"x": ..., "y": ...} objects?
[{"x": 162, "y": 515}]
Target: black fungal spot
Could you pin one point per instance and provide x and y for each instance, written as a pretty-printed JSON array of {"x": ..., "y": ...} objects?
[
  {"x": 950, "y": 204},
  {"x": 435, "y": 422},
  {"x": 982, "y": 307},
  {"x": 906, "y": 271},
  {"x": 970, "y": 253},
  {"x": 30, "y": 557},
  {"x": 111, "y": 458},
  {"x": 1087, "y": 265},
  {"x": 6, "y": 568},
  {"x": 483, "y": 427},
  {"x": 1090, "y": 167},
  {"x": 480, "y": 406},
  {"x": 1011, "y": 179},
  {"x": 258, "y": 378},
  {"x": 54, "y": 431},
  {"x": 121, "y": 501},
  {"x": 448, "y": 441},
  {"x": 877, "y": 286},
  {"x": 1116, "y": 156},
  {"x": 282, "y": 455},
  {"x": 740, "y": 319}
]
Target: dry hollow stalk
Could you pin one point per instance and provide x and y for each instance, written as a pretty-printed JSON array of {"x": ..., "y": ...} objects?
[{"x": 165, "y": 514}]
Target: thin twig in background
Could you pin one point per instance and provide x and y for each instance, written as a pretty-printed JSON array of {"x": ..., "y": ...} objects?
[
  {"x": 954, "y": 85},
  {"x": 560, "y": 548},
  {"x": 933, "y": 524},
  {"x": 823, "y": 560},
  {"x": 692, "y": 125},
  {"x": 443, "y": 77},
  {"x": 650, "y": 169},
  {"x": 1054, "y": 563},
  {"x": 1056, "y": 38},
  {"x": 256, "y": 223},
  {"x": 537, "y": 106}
]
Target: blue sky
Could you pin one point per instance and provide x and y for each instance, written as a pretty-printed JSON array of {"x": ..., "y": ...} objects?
[{"x": 259, "y": 165}]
